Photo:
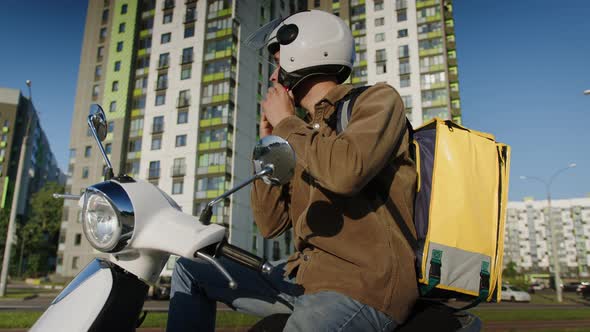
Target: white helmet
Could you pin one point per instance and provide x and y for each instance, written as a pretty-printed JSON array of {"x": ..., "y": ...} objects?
[{"x": 311, "y": 43}]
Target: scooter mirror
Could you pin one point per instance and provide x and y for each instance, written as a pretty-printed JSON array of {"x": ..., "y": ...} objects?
[
  {"x": 276, "y": 153},
  {"x": 98, "y": 120}
]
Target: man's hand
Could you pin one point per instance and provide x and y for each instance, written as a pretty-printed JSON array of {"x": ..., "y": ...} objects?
[
  {"x": 265, "y": 127},
  {"x": 277, "y": 106}
]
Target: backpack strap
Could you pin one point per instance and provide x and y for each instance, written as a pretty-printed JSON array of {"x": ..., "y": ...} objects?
[
  {"x": 343, "y": 114},
  {"x": 344, "y": 107}
]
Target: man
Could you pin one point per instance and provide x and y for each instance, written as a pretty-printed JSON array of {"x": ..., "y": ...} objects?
[{"x": 353, "y": 270}]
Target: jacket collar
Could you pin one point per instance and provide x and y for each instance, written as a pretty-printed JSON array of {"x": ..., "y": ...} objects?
[{"x": 334, "y": 95}]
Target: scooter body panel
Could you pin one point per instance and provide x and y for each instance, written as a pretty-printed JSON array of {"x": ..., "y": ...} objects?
[{"x": 103, "y": 297}]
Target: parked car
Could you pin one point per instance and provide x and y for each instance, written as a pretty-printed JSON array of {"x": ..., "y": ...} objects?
[
  {"x": 535, "y": 287},
  {"x": 514, "y": 294},
  {"x": 570, "y": 286},
  {"x": 581, "y": 288},
  {"x": 585, "y": 292}
]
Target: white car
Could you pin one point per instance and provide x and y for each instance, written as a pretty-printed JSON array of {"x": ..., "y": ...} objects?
[{"x": 514, "y": 294}]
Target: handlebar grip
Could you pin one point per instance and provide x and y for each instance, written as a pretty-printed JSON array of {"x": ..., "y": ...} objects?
[{"x": 240, "y": 255}]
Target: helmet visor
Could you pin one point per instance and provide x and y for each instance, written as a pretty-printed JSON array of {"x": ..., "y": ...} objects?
[{"x": 261, "y": 37}]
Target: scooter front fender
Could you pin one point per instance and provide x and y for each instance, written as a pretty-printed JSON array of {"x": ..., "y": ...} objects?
[{"x": 102, "y": 297}]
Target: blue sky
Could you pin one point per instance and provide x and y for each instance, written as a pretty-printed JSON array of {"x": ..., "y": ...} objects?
[{"x": 523, "y": 66}]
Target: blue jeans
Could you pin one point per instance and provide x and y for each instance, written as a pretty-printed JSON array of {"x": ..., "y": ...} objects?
[{"x": 197, "y": 286}]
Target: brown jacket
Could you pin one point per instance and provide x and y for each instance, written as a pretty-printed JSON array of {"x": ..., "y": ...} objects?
[{"x": 346, "y": 239}]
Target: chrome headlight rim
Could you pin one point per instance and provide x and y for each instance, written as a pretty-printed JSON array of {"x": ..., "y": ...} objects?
[{"x": 120, "y": 203}]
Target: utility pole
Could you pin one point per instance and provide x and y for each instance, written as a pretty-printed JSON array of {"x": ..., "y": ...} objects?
[{"x": 14, "y": 206}]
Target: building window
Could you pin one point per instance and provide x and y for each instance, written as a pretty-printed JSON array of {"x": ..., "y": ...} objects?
[
  {"x": 187, "y": 55},
  {"x": 107, "y": 148},
  {"x": 95, "y": 91},
  {"x": 185, "y": 73},
  {"x": 78, "y": 239},
  {"x": 87, "y": 151},
  {"x": 177, "y": 186},
  {"x": 165, "y": 38},
  {"x": 164, "y": 60},
  {"x": 160, "y": 99},
  {"x": 97, "y": 72},
  {"x": 180, "y": 140},
  {"x": 135, "y": 145},
  {"x": 121, "y": 27},
  {"x": 378, "y": 5},
  {"x": 115, "y": 86},
  {"x": 182, "y": 117},
  {"x": 404, "y": 81},
  {"x": 99, "y": 53},
  {"x": 75, "y": 260},
  {"x": 189, "y": 31},
  {"x": 381, "y": 61},
  {"x": 407, "y": 100},
  {"x": 158, "y": 124},
  {"x": 105, "y": 16},
  {"x": 113, "y": 106},
  {"x": 156, "y": 143},
  {"x": 154, "y": 170},
  {"x": 167, "y": 17},
  {"x": 404, "y": 66},
  {"x": 184, "y": 98},
  {"x": 117, "y": 65},
  {"x": 124, "y": 9},
  {"x": 102, "y": 35},
  {"x": 379, "y": 37},
  {"x": 402, "y": 15},
  {"x": 85, "y": 173},
  {"x": 402, "y": 33},
  {"x": 119, "y": 46},
  {"x": 162, "y": 82},
  {"x": 403, "y": 51},
  {"x": 379, "y": 21}
]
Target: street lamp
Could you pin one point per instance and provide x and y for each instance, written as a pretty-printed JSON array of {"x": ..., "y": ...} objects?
[{"x": 552, "y": 225}]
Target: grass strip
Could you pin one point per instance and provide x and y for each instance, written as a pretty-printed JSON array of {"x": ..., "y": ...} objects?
[{"x": 532, "y": 314}]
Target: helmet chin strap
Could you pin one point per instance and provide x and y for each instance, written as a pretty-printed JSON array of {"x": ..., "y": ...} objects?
[{"x": 292, "y": 80}]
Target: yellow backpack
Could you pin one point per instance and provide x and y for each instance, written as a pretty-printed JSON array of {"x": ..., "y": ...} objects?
[{"x": 460, "y": 207}]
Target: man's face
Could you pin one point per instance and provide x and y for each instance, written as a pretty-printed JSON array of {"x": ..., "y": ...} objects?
[{"x": 274, "y": 77}]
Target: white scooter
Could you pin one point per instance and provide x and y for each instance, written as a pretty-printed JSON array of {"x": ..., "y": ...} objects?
[{"x": 140, "y": 226}]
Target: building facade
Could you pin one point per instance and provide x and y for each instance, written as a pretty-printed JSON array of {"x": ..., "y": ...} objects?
[
  {"x": 19, "y": 118},
  {"x": 408, "y": 44},
  {"x": 182, "y": 98},
  {"x": 527, "y": 240}
]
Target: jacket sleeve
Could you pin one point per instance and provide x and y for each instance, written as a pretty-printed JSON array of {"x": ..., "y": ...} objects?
[
  {"x": 345, "y": 163},
  {"x": 270, "y": 208}
]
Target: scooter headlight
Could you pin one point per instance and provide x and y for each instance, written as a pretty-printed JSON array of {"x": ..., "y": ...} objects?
[
  {"x": 102, "y": 225},
  {"x": 108, "y": 219}
]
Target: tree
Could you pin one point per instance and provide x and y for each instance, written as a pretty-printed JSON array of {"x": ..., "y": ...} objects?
[
  {"x": 510, "y": 270},
  {"x": 39, "y": 234}
]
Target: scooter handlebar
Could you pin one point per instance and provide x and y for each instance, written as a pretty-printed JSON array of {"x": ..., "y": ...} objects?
[{"x": 243, "y": 257}]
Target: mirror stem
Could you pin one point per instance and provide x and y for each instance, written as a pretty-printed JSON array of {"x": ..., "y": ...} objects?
[{"x": 207, "y": 213}]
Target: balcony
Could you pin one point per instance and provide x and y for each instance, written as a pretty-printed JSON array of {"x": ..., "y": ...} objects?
[
  {"x": 183, "y": 102},
  {"x": 178, "y": 170},
  {"x": 186, "y": 58},
  {"x": 219, "y": 13},
  {"x": 153, "y": 173},
  {"x": 215, "y": 121},
  {"x": 215, "y": 169},
  {"x": 168, "y": 4},
  {"x": 426, "y": 3}
]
